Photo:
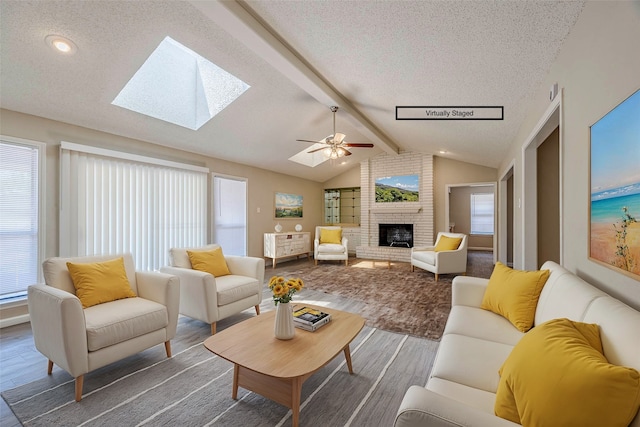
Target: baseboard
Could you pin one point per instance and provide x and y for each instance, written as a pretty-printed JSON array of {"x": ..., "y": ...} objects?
[
  {"x": 477, "y": 248},
  {"x": 15, "y": 320}
]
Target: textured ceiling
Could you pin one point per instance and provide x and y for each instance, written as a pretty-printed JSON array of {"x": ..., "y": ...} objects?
[{"x": 365, "y": 56}]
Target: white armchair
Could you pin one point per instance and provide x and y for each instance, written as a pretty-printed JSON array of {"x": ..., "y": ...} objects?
[
  {"x": 441, "y": 261},
  {"x": 210, "y": 299},
  {"x": 80, "y": 340},
  {"x": 334, "y": 249}
]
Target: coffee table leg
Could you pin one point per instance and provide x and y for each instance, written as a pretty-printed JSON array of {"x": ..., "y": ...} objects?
[
  {"x": 347, "y": 355},
  {"x": 296, "y": 392},
  {"x": 234, "y": 392}
]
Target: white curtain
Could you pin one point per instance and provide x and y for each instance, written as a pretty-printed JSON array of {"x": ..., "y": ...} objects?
[
  {"x": 113, "y": 202},
  {"x": 230, "y": 214}
]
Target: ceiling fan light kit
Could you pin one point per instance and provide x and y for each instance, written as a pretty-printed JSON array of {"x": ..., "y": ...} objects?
[{"x": 336, "y": 144}]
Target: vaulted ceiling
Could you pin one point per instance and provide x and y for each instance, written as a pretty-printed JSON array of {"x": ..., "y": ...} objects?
[{"x": 299, "y": 57}]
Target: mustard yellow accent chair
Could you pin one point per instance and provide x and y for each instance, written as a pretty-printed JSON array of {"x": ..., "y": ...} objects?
[{"x": 80, "y": 340}]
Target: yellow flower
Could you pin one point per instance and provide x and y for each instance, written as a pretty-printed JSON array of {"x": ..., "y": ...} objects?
[
  {"x": 278, "y": 290},
  {"x": 284, "y": 289}
]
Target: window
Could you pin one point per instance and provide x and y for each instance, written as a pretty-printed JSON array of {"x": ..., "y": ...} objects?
[
  {"x": 230, "y": 214},
  {"x": 482, "y": 213},
  {"x": 114, "y": 202},
  {"x": 21, "y": 224}
]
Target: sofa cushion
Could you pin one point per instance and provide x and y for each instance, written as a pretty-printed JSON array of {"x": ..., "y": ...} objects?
[
  {"x": 478, "y": 323},
  {"x": 234, "y": 288},
  {"x": 565, "y": 295},
  {"x": 474, "y": 397},
  {"x": 514, "y": 294},
  {"x": 117, "y": 321},
  {"x": 211, "y": 262},
  {"x": 100, "y": 282},
  {"x": 563, "y": 358},
  {"x": 331, "y": 235},
  {"x": 446, "y": 243},
  {"x": 470, "y": 361}
]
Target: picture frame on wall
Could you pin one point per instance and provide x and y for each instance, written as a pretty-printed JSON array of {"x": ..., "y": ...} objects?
[
  {"x": 288, "y": 206},
  {"x": 397, "y": 188},
  {"x": 614, "y": 185}
]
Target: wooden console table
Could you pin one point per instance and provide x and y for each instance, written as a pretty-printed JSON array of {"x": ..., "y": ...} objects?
[{"x": 283, "y": 245}]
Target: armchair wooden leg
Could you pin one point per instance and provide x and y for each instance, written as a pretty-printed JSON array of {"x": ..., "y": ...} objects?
[
  {"x": 79, "y": 382},
  {"x": 436, "y": 276},
  {"x": 257, "y": 310},
  {"x": 213, "y": 328},
  {"x": 315, "y": 261},
  {"x": 346, "y": 262},
  {"x": 50, "y": 367},
  {"x": 167, "y": 348},
  {"x": 412, "y": 268}
]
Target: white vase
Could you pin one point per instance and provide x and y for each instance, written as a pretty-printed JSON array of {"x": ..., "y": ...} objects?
[
  {"x": 278, "y": 228},
  {"x": 283, "y": 327}
]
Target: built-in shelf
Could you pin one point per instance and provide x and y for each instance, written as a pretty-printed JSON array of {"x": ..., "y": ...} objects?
[{"x": 396, "y": 209}]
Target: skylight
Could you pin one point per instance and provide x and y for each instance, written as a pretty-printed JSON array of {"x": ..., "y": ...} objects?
[
  {"x": 313, "y": 159},
  {"x": 177, "y": 85}
]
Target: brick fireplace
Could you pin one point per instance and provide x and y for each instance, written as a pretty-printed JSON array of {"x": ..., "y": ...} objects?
[{"x": 418, "y": 214}]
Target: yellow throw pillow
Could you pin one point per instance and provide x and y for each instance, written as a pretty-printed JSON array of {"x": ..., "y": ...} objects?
[
  {"x": 330, "y": 235},
  {"x": 557, "y": 376},
  {"x": 446, "y": 243},
  {"x": 211, "y": 262},
  {"x": 514, "y": 294},
  {"x": 100, "y": 282}
]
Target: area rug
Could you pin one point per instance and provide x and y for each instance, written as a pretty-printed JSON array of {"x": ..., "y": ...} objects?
[
  {"x": 393, "y": 298},
  {"x": 193, "y": 388}
]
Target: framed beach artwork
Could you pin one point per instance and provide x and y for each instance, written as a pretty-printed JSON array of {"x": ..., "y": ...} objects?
[
  {"x": 614, "y": 239},
  {"x": 288, "y": 206},
  {"x": 397, "y": 188}
]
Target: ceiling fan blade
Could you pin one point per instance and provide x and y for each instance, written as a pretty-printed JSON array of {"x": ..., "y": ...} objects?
[
  {"x": 358, "y": 144},
  {"x": 338, "y": 138},
  {"x": 317, "y": 149},
  {"x": 344, "y": 151},
  {"x": 315, "y": 142}
]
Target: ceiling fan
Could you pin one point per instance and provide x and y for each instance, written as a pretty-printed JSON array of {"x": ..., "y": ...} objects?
[{"x": 336, "y": 145}]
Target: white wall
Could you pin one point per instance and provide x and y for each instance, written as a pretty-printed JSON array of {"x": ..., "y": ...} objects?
[{"x": 597, "y": 68}]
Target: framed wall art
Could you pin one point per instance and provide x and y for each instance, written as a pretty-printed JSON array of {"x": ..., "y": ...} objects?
[
  {"x": 398, "y": 188},
  {"x": 614, "y": 214},
  {"x": 288, "y": 206}
]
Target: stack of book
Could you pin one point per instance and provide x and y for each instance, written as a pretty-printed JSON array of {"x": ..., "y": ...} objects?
[{"x": 310, "y": 319}]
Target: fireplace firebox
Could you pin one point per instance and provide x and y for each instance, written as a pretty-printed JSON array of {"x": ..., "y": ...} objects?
[{"x": 396, "y": 235}]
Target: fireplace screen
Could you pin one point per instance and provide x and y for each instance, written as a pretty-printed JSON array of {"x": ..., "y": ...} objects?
[{"x": 396, "y": 235}]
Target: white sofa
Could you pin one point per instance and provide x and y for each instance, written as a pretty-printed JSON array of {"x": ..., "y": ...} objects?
[{"x": 462, "y": 386}]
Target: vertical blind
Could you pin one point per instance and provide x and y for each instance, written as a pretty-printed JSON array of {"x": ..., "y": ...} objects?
[
  {"x": 230, "y": 214},
  {"x": 19, "y": 217},
  {"x": 113, "y": 203},
  {"x": 482, "y": 210}
]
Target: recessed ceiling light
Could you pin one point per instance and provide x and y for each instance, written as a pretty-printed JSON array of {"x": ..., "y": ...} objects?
[
  {"x": 443, "y": 152},
  {"x": 61, "y": 44}
]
